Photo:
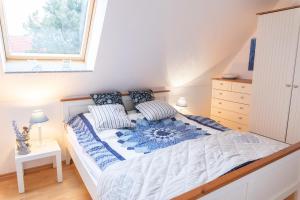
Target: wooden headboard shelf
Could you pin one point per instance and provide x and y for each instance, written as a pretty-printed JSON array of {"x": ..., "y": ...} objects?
[{"x": 88, "y": 97}]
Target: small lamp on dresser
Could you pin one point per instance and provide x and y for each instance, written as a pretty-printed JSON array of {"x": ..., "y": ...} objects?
[
  {"x": 182, "y": 102},
  {"x": 37, "y": 118},
  {"x": 182, "y": 105}
]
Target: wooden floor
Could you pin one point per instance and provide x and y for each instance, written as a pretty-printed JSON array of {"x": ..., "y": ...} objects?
[{"x": 42, "y": 185}]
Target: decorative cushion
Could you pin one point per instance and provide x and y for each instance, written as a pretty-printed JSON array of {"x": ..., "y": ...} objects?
[
  {"x": 156, "y": 110},
  {"x": 141, "y": 96},
  {"x": 110, "y": 116},
  {"x": 107, "y": 98}
]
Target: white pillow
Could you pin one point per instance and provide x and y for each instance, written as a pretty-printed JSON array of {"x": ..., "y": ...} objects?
[
  {"x": 156, "y": 110},
  {"x": 111, "y": 116}
]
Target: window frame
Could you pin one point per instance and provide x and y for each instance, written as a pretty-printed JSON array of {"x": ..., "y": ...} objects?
[{"x": 40, "y": 56}]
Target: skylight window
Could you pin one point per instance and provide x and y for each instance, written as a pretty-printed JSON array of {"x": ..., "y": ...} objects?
[{"x": 45, "y": 29}]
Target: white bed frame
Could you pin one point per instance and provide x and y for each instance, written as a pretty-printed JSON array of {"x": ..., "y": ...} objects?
[{"x": 275, "y": 177}]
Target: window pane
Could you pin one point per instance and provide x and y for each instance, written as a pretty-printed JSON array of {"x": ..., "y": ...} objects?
[{"x": 45, "y": 26}]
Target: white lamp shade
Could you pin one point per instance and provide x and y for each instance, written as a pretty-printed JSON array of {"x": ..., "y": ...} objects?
[
  {"x": 37, "y": 117},
  {"x": 181, "y": 102}
]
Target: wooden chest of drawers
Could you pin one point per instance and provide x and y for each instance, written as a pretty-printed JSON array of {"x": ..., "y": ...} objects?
[{"x": 231, "y": 103}]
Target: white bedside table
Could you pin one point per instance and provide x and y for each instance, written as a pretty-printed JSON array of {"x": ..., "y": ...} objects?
[{"x": 49, "y": 148}]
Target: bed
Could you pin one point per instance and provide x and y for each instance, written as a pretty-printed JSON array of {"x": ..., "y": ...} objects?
[{"x": 251, "y": 176}]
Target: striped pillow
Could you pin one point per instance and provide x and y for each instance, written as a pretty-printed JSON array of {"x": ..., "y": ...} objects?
[
  {"x": 156, "y": 110},
  {"x": 110, "y": 116}
]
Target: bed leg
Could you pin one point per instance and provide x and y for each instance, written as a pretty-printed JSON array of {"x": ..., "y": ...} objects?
[
  {"x": 297, "y": 193},
  {"x": 68, "y": 157}
]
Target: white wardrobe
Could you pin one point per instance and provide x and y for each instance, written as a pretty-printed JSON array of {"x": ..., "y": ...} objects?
[{"x": 275, "y": 110}]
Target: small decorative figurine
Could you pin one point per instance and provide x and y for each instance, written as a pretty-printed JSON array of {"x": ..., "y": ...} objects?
[{"x": 22, "y": 139}]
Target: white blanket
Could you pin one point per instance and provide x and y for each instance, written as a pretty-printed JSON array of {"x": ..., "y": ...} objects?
[{"x": 171, "y": 171}]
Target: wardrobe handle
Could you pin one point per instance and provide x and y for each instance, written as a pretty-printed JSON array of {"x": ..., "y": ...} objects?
[
  {"x": 288, "y": 85},
  {"x": 296, "y": 86}
]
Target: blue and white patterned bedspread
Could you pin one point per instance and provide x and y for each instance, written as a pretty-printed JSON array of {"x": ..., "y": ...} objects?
[
  {"x": 185, "y": 153},
  {"x": 144, "y": 138}
]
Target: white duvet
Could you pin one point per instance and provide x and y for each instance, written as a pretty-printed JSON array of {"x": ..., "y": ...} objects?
[{"x": 169, "y": 172}]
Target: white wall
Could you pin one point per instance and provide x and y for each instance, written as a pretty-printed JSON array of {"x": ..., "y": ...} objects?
[{"x": 175, "y": 43}]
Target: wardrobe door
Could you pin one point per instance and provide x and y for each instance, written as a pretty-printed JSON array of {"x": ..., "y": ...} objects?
[
  {"x": 293, "y": 133},
  {"x": 277, "y": 41}
]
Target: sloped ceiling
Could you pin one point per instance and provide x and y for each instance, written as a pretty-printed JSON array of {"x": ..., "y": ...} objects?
[{"x": 151, "y": 44}]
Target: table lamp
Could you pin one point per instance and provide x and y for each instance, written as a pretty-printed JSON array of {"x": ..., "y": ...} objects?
[
  {"x": 181, "y": 102},
  {"x": 37, "y": 118},
  {"x": 181, "y": 105}
]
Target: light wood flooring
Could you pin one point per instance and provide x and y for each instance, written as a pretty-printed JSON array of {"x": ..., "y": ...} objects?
[{"x": 41, "y": 185}]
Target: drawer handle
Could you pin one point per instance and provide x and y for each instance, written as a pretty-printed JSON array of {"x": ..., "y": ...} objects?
[
  {"x": 219, "y": 121},
  {"x": 239, "y": 128},
  {"x": 221, "y": 83},
  {"x": 243, "y": 87},
  {"x": 220, "y": 103},
  {"x": 242, "y": 97},
  {"x": 220, "y": 93},
  {"x": 241, "y": 108},
  {"x": 219, "y": 112},
  {"x": 240, "y": 118}
]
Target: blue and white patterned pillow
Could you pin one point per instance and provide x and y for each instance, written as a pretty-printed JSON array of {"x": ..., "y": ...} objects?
[
  {"x": 156, "y": 110},
  {"x": 107, "y": 98},
  {"x": 141, "y": 96},
  {"x": 110, "y": 116}
]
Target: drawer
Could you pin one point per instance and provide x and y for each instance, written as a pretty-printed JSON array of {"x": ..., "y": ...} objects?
[
  {"x": 230, "y": 124},
  {"x": 222, "y": 85},
  {"x": 232, "y": 116},
  {"x": 241, "y": 87},
  {"x": 231, "y": 106},
  {"x": 232, "y": 96}
]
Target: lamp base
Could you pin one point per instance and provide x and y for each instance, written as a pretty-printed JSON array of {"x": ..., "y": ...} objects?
[{"x": 40, "y": 136}]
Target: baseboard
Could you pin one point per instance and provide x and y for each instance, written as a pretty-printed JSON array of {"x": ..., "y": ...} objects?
[{"x": 28, "y": 171}]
